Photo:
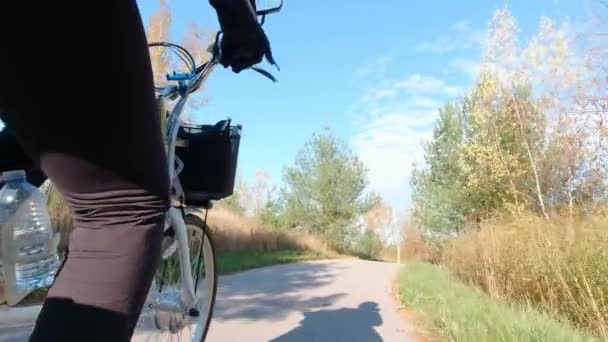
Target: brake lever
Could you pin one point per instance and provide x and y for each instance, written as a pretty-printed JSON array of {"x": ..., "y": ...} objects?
[
  {"x": 270, "y": 58},
  {"x": 264, "y": 73}
]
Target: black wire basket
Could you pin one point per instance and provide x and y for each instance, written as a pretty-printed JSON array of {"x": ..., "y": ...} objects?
[{"x": 210, "y": 155}]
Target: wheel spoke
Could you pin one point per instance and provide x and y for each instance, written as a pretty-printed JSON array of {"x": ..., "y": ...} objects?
[{"x": 179, "y": 326}]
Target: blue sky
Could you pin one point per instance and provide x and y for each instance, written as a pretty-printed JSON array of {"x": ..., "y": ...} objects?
[{"x": 375, "y": 74}]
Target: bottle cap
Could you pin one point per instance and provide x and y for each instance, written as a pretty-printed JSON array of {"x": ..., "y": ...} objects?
[{"x": 13, "y": 175}]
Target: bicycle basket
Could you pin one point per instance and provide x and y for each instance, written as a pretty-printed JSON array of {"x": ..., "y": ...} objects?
[{"x": 210, "y": 154}]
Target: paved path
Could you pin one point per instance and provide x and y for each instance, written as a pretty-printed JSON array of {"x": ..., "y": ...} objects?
[{"x": 336, "y": 300}]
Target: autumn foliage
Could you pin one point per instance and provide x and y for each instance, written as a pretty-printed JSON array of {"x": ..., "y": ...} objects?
[{"x": 517, "y": 169}]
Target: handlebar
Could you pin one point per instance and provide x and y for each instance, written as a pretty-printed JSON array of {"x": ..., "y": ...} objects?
[
  {"x": 189, "y": 82},
  {"x": 263, "y": 13}
]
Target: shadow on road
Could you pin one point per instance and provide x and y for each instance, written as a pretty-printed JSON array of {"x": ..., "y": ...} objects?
[
  {"x": 272, "y": 293},
  {"x": 350, "y": 324}
]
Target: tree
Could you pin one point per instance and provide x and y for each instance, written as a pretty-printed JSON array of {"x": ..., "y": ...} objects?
[
  {"x": 379, "y": 218},
  {"x": 159, "y": 30},
  {"x": 195, "y": 40},
  {"x": 325, "y": 190},
  {"x": 592, "y": 102},
  {"x": 503, "y": 57},
  {"x": 438, "y": 188},
  {"x": 530, "y": 135},
  {"x": 260, "y": 191},
  {"x": 272, "y": 212},
  {"x": 569, "y": 75},
  {"x": 369, "y": 245},
  {"x": 477, "y": 161},
  {"x": 235, "y": 203}
]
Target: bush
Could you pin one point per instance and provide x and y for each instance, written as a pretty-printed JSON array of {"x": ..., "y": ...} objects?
[
  {"x": 369, "y": 245},
  {"x": 416, "y": 248},
  {"x": 561, "y": 266}
]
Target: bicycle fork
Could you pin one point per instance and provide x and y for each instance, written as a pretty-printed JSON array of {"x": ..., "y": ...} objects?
[
  {"x": 184, "y": 299},
  {"x": 179, "y": 226}
]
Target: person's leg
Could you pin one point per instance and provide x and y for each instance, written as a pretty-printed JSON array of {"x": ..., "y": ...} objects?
[{"x": 76, "y": 90}]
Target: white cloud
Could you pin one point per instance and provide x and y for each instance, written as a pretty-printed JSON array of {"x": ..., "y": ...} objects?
[
  {"x": 375, "y": 94},
  {"x": 376, "y": 66},
  {"x": 461, "y": 37},
  {"x": 384, "y": 93},
  {"x": 393, "y": 122},
  {"x": 462, "y": 26},
  {"x": 427, "y": 84},
  {"x": 424, "y": 88},
  {"x": 425, "y": 102},
  {"x": 392, "y": 118},
  {"x": 466, "y": 66},
  {"x": 389, "y": 146}
]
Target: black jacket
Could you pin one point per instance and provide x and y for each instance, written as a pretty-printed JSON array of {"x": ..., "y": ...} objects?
[{"x": 12, "y": 157}]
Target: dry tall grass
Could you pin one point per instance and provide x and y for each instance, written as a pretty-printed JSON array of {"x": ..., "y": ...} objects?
[
  {"x": 235, "y": 232},
  {"x": 416, "y": 248},
  {"x": 561, "y": 266},
  {"x": 61, "y": 217},
  {"x": 231, "y": 231}
]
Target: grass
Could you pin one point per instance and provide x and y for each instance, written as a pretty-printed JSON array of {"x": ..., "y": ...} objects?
[
  {"x": 234, "y": 232},
  {"x": 457, "y": 312},
  {"x": 562, "y": 266},
  {"x": 232, "y": 262}
]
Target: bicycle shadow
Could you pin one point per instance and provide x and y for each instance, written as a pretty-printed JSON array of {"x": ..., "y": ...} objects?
[
  {"x": 348, "y": 324},
  {"x": 274, "y": 292}
]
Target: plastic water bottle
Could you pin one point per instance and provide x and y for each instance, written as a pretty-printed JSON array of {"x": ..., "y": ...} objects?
[{"x": 28, "y": 244}]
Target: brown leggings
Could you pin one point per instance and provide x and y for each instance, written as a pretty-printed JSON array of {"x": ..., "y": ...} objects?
[{"x": 76, "y": 90}]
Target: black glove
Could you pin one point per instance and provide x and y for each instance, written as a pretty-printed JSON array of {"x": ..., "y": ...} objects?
[
  {"x": 244, "y": 47},
  {"x": 244, "y": 43}
]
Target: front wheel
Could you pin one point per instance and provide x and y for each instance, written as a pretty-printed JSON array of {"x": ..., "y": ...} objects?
[{"x": 163, "y": 318}]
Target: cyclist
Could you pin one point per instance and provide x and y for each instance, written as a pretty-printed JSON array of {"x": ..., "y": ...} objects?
[{"x": 76, "y": 90}]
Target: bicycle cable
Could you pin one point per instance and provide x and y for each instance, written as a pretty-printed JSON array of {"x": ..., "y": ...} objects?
[{"x": 183, "y": 54}]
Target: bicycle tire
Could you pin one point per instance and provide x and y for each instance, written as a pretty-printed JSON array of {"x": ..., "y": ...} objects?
[
  {"x": 194, "y": 220},
  {"x": 167, "y": 323}
]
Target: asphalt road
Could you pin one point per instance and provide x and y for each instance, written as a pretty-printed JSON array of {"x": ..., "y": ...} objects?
[{"x": 336, "y": 300}]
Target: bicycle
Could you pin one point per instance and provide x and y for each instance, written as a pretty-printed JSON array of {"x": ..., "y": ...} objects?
[{"x": 187, "y": 235}]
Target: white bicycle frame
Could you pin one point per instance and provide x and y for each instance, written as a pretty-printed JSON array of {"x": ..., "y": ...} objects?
[{"x": 175, "y": 218}]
